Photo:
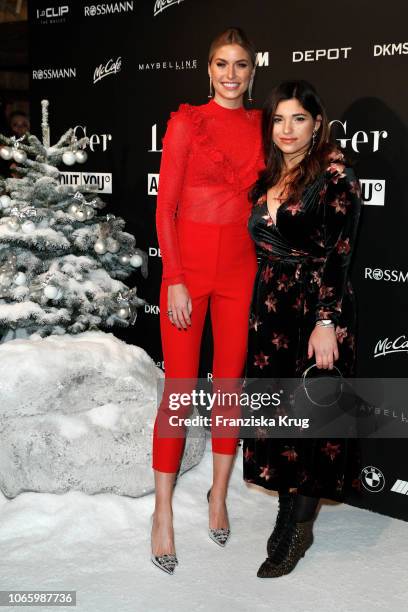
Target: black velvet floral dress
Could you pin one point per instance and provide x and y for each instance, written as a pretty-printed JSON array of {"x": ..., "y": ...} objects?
[{"x": 303, "y": 276}]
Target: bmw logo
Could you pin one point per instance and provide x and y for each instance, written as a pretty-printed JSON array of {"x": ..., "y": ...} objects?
[{"x": 372, "y": 479}]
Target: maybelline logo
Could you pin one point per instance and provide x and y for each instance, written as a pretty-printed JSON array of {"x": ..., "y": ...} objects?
[
  {"x": 52, "y": 14},
  {"x": 107, "y": 8},
  {"x": 188, "y": 64},
  {"x": 373, "y": 192},
  {"x": 96, "y": 141},
  {"x": 386, "y": 346},
  {"x": 100, "y": 182},
  {"x": 315, "y": 55},
  {"x": 54, "y": 73},
  {"x": 152, "y": 184},
  {"x": 393, "y": 276},
  {"x": 161, "y": 5},
  {"x": 391, "y": 49},
  {"x": 111, "y": 67},
  {"x": 368, "y": 140}
]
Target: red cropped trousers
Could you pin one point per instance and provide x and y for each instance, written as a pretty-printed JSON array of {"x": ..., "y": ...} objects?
[{"x": 219, "y": 265}]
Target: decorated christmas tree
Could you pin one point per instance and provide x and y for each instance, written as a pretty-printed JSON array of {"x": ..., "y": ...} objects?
[{"x": 62, "y": 263}]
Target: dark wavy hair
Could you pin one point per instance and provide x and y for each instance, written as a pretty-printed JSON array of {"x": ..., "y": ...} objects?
[
  {"x": 232, "y": 36},
  {"x": 314, "y": 162}
]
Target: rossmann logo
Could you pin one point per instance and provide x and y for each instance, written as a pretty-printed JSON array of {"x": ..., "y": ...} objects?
[
  {"x": 162, "y": 5},
  {"x": 391, "y": 276},
  {"x": 54, "y": 73},
  {"x": 316, "y": 55},
  {"x": 400, "y": 48},
  {"x": 104, "y": 70},
  {"x": 387, "y": 346},
  {"x": 52, "y": 14},
  {"x": 107, "y": 8}
]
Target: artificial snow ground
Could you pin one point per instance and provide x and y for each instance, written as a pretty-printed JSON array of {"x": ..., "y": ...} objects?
[{"x": 99, "y": 546}]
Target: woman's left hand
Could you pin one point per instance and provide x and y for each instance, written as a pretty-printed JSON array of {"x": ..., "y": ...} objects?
[{"x": 323, "y": 344}]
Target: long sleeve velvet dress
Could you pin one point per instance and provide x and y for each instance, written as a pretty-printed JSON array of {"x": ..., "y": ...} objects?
[{"x": 303, "y": 276}]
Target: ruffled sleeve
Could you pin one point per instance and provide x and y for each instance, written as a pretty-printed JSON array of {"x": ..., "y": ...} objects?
[
  {"x": 342, "y": 205},
  {"x": 176, "y": 147}
]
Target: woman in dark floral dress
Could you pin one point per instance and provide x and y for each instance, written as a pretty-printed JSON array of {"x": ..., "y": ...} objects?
[{"x": 306, "y": 206}]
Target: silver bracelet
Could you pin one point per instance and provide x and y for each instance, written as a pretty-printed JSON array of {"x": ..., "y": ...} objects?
[{"x": 324, "y": 323}]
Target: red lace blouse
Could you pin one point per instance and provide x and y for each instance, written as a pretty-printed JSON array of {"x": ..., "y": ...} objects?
[{"x": 211, "y": 157}]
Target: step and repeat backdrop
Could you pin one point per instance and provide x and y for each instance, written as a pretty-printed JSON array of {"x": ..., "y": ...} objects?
[{"x": 115, "y": 70}]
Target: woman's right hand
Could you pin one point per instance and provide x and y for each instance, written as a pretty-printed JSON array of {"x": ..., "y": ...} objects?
[{"x": 179, "y": 305}]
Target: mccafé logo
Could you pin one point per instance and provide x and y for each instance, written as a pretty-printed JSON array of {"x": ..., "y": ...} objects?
[
  {"x": 386, "y": 346},
  {"x": 393, "y": 276},
  {"x": 161, "y": 5},
  {"x": 111, "y": 67},
  {"x": 371, "y": 139},
  {"x": 391, "y": 49},
  {"x": 315, "y": 55}
]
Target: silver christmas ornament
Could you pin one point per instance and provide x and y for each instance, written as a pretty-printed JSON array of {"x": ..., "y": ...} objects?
[
  {"x": 69, "y": 158},
  {"x": 73, "y": 208},
  {"x": 51, "y": 292},
  {"x": 136, "y": 261},
  {"x": 5, "y": 201},
  {"x": 80, "y": 214},
  {"x": 5, "y": 280},
  {"x": 100, "y": 246},
  {"x": 90, "y": 213},
  {"x": 6, "y": 153},
  {"x": 81, "y": 156},
  {"x": 19, "y": 156},
  {"x": 13, "y": 224},
  {"x": 20, "y": 279},
  {"x": 28, "y": 227},
  {"x": 113, "y": 246},
  {"x": 123, "y": 312},
  {"x": 124, "y": 259},
  {"x": 59, "y": 295}
]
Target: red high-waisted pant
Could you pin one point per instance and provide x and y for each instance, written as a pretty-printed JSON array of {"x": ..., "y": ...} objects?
[{"x": 219, "y": 265}]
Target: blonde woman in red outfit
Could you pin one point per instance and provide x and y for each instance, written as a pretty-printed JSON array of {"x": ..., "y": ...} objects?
[{"x": 211, "y": 157}]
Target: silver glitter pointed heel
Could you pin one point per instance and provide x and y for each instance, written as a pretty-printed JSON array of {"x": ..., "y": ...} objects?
[
  {"x": 167, "y": 563},
  {"x": 219, "y": 536}
]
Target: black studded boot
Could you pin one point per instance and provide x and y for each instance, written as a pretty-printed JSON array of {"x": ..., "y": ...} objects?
[
  {"x": 296, "y": 537},
  {"x": 286, "y": 501}
]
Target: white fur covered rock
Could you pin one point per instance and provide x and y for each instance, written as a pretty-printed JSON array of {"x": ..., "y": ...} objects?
[{"x": 77, "y": 412}]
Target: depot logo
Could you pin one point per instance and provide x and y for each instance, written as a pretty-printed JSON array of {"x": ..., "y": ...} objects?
[
  {"x": 386, "y": 346},
  {"x": 392, "y": 276},
  {"x": 373, "y": 192},
  {"x": 316, "y": 55},
  {"x": 390, "y": 49}
]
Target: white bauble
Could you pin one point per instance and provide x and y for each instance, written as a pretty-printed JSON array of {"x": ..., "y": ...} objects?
[
  {"x": 81, "y": 156},
  {"x": 123, "y": 312},
  {"x": 28, "y": 227},
  {"x": 13, "y": 224},
  {"x": 6, "y": 153},
  {"x": 5, "y": 201},
  {"x": 69, "y": 158},
  {"x": 73, "y": 209},
  {"x": 136, "y": 261},
  {"x": 90, "y": 213},
  {"x": 51, "y": 292},
  {"x": 100, "y": 246},
  {"x": 80, "y": 215},
  {"x": 19, "y": 156},
  {"x": 113, "y": 246},
  {"x": 20, "y": 278},
  {"x": 124, "y": 259}
]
